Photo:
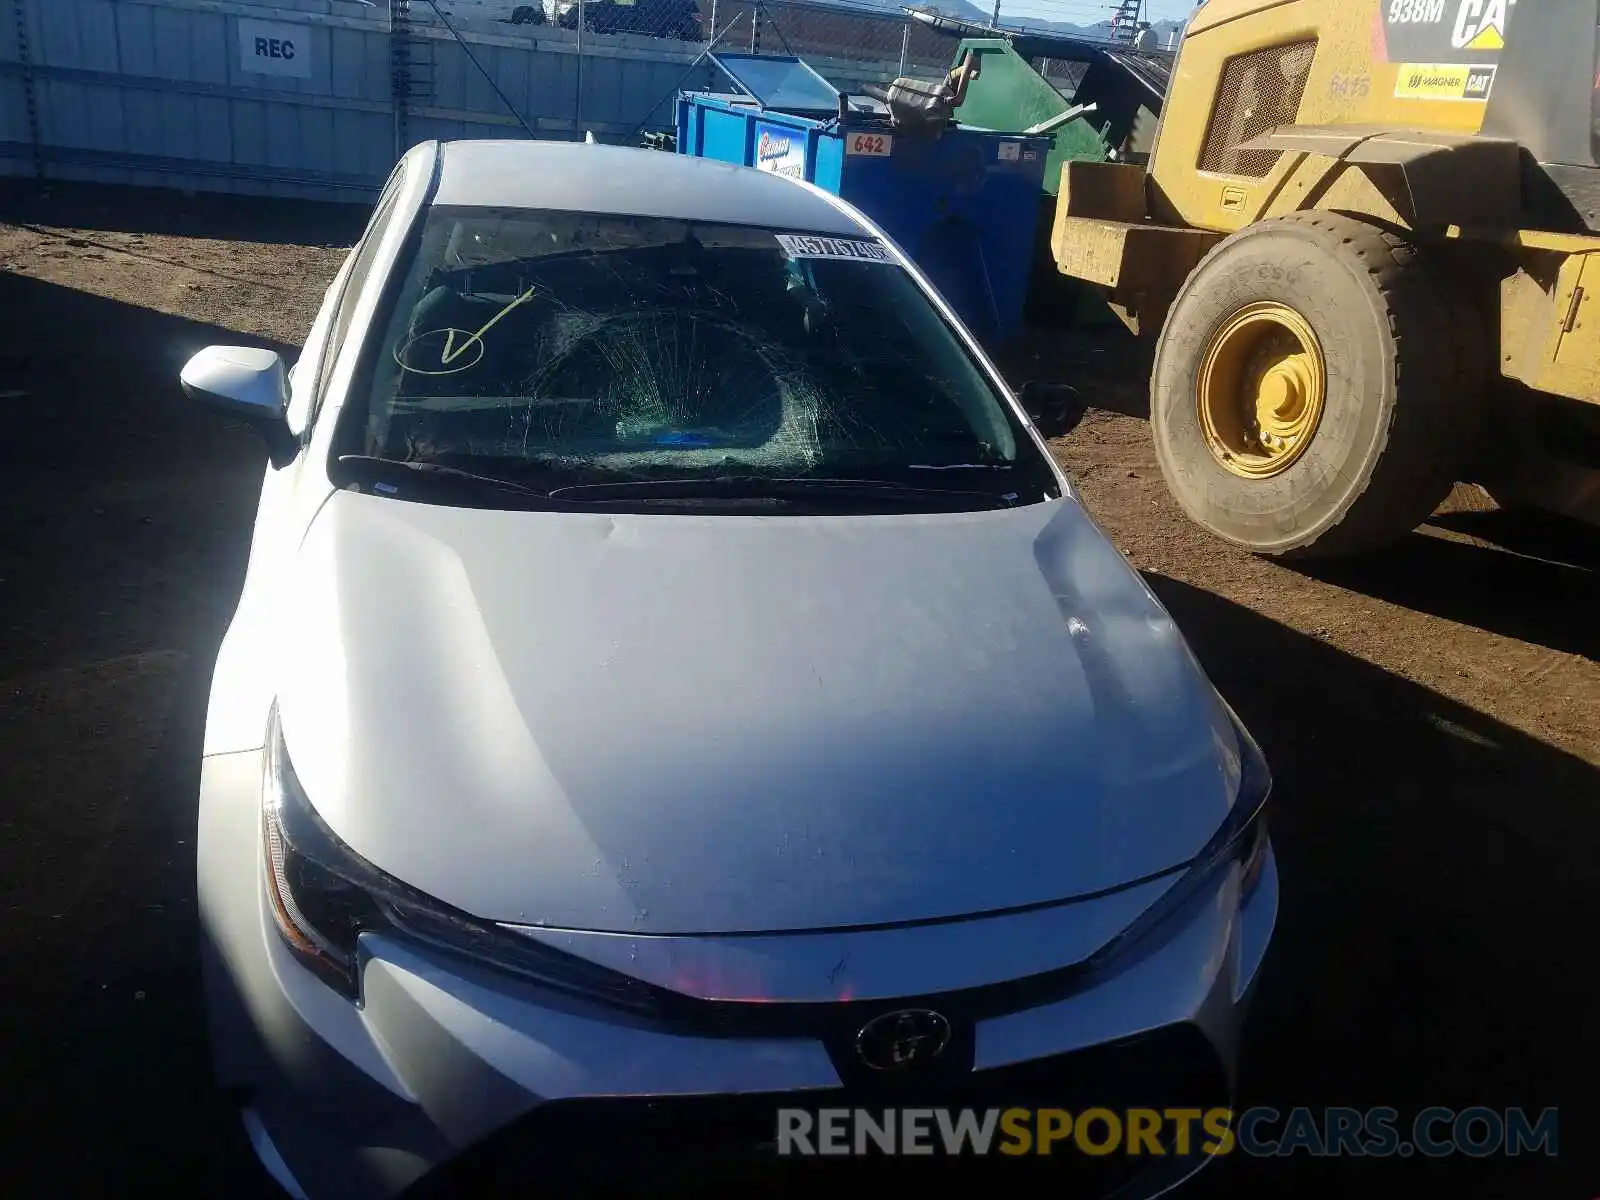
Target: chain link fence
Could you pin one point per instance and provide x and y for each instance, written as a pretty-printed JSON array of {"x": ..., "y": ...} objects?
[
  {"x": 853, "y": 32},
  {"x": 849, "y": 43},
  {"x": 889, "y": 42}
]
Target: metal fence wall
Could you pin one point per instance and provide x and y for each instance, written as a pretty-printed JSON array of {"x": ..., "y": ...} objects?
[{"x": 317, "y": 98}]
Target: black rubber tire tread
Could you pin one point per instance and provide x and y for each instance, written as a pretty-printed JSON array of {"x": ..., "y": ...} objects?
[{"x": 1396, "y": 437}]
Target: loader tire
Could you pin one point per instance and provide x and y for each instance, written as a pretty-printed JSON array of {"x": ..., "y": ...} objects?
[{"x": 1404, "y": 364}]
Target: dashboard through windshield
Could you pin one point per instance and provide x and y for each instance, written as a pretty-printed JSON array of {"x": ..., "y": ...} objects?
[{"x": 561, "y": 349}]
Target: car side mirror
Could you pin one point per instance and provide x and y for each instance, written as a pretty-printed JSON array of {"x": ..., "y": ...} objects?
[
  {"x": 249, "y": 383},
  {"x": 1056, "y": 408}
]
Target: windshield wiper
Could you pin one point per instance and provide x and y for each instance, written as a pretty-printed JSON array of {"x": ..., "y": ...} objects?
[
  {"x": 761, "y": 487},
  {"x": 492, "y": 482},
  {"x": 721, "y": 487}
]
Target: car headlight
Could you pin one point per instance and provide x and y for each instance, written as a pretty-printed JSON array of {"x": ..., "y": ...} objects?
[
  {"x": 324, "y": 896},
  {"x": 1241, "y": 840},
  {"x": 1255, "y": 794}
]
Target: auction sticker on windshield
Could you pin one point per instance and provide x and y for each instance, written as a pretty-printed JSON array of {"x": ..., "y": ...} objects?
[{"x": 797, "y": 245}]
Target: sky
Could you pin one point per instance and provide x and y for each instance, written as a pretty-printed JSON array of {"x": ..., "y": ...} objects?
[{"x": 1087, "y": 12}]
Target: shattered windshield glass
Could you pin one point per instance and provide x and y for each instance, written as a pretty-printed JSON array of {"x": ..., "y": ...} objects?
[{"x": 563, "y": 348}]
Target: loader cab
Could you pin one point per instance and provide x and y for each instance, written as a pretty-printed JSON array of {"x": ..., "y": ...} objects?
[
  {"x": 1519, "y": 70},
  {"x": 1545, "y": 89},
  {"x": 1547, "y": 98}
]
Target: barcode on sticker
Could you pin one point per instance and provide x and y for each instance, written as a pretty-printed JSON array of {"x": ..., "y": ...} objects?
[{"x": 800, "y": 245}]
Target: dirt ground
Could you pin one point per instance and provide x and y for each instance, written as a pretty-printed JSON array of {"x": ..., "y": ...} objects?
[{"x": 1430, "y": 715}]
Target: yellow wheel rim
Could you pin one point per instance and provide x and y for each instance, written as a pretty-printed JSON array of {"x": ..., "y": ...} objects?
[{"x": 1263, "y": 385}]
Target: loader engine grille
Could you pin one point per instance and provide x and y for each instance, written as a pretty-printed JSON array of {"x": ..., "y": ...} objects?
[{"x": 1259, "y": 91}]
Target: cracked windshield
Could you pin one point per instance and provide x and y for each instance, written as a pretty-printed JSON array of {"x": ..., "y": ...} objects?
[{"x": 558, "y": 350}]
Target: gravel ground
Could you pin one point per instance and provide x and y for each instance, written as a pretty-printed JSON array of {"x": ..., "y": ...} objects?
[{"x": 1430, "y": 715}]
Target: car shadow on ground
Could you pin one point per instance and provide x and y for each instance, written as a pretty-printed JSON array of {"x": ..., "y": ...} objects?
[
  {"x": 1438, "y": 875},
  {"x": 123, "y": 505},
  {"x": 1537, "y": 581},
  {"x": 161, "y": 212},
  {"x": 125, "y": 518}
]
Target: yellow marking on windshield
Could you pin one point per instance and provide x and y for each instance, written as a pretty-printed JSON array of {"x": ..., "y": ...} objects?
[
  {"x": 457, "y": 344},
  {"x": 451, "y": 353}
]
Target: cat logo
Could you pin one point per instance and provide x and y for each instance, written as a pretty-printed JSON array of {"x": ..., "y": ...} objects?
[
  {"x": 1463, "y": 33},
  {"x": 1444, "y": 81},
  {"x": 1481, "y": 25}
]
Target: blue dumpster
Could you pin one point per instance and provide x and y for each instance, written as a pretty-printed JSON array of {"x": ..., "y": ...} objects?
[{"x": 963, "y": 204}]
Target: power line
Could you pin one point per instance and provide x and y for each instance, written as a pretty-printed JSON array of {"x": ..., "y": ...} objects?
[{"x": 1089, "y": 12}]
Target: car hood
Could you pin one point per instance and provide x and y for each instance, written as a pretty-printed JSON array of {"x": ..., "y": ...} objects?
[{"x": 718, "y": 724}]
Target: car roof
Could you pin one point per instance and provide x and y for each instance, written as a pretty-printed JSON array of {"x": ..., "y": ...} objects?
[{"x": 617, "y": 180}]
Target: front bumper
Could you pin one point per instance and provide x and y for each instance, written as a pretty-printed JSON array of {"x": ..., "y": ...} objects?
[
  {"x": 727, "y": 1145},
  {"x": 451, "y": 1081}
]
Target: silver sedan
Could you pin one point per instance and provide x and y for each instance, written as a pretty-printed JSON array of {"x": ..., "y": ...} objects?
[{"x": 674, "y": 689}]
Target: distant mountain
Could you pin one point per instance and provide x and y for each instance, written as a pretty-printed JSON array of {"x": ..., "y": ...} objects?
[
  {"x": 966, "y": 10},
  {"x": 969, "y": 10},
  {"x": 1164, "y": 31},
  {"x": 963, "y": 9}
]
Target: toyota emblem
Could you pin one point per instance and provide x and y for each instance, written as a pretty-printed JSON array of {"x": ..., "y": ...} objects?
[{"x": 897, "y": 1041}]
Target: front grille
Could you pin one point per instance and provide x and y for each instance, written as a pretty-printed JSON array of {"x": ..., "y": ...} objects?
[
  {"x": 1259, "y": 91},
  {"x": 725, "y": 1145}
]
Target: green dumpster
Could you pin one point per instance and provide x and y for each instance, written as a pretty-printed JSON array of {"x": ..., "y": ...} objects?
[
  {"x": 1009, "y": 96},
  {"x": 1110, "y": 111}
]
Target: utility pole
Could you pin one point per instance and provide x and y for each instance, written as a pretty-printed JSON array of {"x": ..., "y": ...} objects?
[{"x": 1125, "y": 20}]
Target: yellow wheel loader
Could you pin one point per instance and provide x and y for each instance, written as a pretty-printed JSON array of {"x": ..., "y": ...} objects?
[{"x": 1367, "y": 245}]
